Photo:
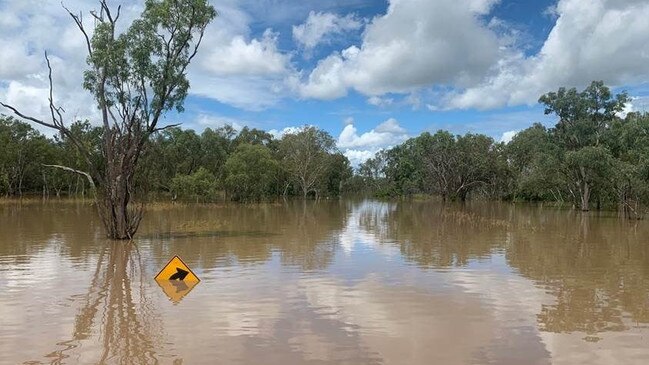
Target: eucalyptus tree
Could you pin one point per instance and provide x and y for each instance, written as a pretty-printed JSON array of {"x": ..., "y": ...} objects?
[
  {"x": 371, "y": 174},
  {"x": 444, "y": 164},
  {"x": 305, "y": 156},
  {"x": 216, "y": 146},
  {"x": 535, "y": 161},
  {"x": 251, "y": 173},
  {"x": 403, "y": 172},
  {"x": 135, "y": 77},
  {"x": 338, "y": 174},
  {"x": 589, "y": 168},
  {"x": 253, "y": 136},
  {"x": 23, "y": 150},
  {"x": 630, "y": 147},
  {"x": 584, "y": 119},
  {"x": 474, "y": 164},
  {"x": 439, "y": 158}
]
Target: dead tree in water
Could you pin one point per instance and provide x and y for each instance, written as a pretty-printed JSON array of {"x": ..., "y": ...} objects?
[{"x": 135, "y": 77}]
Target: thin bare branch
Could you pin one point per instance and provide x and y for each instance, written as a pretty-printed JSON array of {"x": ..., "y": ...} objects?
[
  {"x": 106, "y": 10},
  {"x": 119, "y": 8},
  {"x": 37, "y": 121},
  {"x": 87, "y": 175},
  {"x": 54, "y": 111},
  {"x": 166, "y": 127},
  {"x": 99, "y": 18},
  {"x": 79, "y": 21}
]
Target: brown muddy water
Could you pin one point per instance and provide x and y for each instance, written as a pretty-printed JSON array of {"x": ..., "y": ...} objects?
[{"x": 350, "y": 282}]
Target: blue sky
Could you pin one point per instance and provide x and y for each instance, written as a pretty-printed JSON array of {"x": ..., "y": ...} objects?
[{"x": 372, "y": 73}]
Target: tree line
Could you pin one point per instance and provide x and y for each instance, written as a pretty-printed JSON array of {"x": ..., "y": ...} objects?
[
  {"x": 592, "y": 157},
  {"x": 249, "y": 165}
]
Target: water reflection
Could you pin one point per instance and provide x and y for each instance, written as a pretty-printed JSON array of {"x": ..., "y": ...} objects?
[
  {"x": 597, "y": 270},
  {"x": 360, "y": 282},
  {"x": 437, "y": 235},
  {"x": 116, "y": 316}
]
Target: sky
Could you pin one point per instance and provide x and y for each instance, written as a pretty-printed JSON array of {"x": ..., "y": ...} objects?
[{"x": 372, "y": 73}]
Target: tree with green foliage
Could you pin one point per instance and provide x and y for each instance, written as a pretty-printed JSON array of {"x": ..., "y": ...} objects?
[
  {"x": 181, "y": 150},
  {"x": 305, "y": 155},
  {"x": 251, "y": 173},
  {"x": 450, "y": 166},
  {"x": 200, "y": 186},
  {"x": 439, "y": 158},
  {"x": 584, "y": 116},
  {"x": 589, "y": 168},
  {"x": 371, "y": 174},
  {"x": 217, "y": 145},
  {"x": 629, "y": 141},
  {"x": 253, "y": 136},
  {"x": 24, "y": 153},
  {"x": 535, "y": 160},
  {"x": 339, "y": 172},
  {"x": 476, "y": 166},
  {"x": 402, "y": 170},
  {"x": 135, "y": 76},
  {"x": 584, "y": 119}
]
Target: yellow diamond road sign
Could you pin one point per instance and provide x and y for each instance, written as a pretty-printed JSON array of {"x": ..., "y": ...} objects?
[{"x": 176, "y": 279}]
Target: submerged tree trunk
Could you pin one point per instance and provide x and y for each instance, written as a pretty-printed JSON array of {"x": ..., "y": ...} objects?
[
  {"x": 585, "y": 197},
  {"x": 116, "y": 191},
  {"x": 119, "y": 217},
  {"x": 584, "y": 188}
]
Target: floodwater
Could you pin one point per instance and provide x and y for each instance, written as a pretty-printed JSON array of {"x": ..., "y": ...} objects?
[{"x": 344, "y": 282}]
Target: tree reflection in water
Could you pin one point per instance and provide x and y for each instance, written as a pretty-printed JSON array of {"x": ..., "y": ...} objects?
[
  {"x": 595, "y": 268},
  {"x": 116, "y": 316},
  {"x": 595, "y": 265}
]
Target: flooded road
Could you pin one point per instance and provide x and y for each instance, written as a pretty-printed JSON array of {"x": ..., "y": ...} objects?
[{"x": 349, "y": 282}]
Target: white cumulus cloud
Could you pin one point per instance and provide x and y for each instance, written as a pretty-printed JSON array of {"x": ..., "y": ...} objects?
[
  {"x": 318, "y": 27},
  {"x": 379, "y": 101},
  {"x": 236, "y": 68},
  {"x": 457, "y": 55},
  {"x": 508, "y": 136},
  {"x": 357, "y": 157},
  {"x": 279, "y": 133},
  {"x": 240, "y": 57},
  {"x": 417, "y": 43},
  {"x": 385, "y": 134},
  {"x": 27, "y": 30},
  {"x": 591, "y": 40},
  {"x": 360, "y": 147}
]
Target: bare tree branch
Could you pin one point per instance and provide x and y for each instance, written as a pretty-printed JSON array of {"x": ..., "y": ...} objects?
[
  {"x": 37, "y": 121},
  {"x": 79, "y": 21},
  {"x": 53, "y": 108},
  {"x": 166, "y": 127},
  {"x": 87, "y": 175}
]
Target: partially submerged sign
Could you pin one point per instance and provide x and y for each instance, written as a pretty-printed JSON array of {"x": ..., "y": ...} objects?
[{"x": 176, "y": 279}]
